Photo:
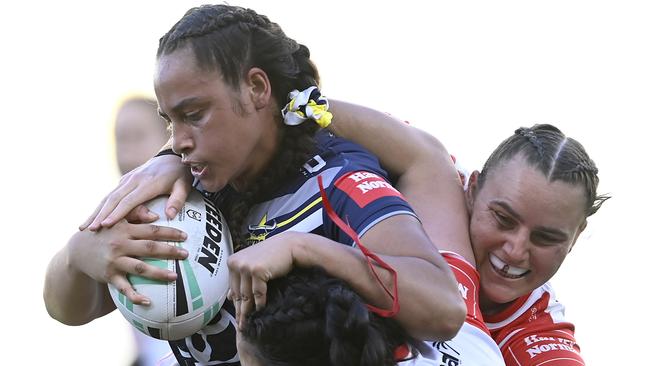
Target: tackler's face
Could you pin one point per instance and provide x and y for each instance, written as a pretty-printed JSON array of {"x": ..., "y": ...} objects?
[
  {"x": 215, "y": 127},
  {"x": 522, "y": 227}
]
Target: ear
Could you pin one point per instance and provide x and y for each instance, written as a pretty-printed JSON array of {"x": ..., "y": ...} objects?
[
  {"x": 472, "y": 190},
  {"x": 259, "y": 87},
  {"x": 580, "y": 230}
]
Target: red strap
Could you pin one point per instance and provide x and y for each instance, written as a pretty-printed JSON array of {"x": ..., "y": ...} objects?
[
  {"x": 387, "y": 313},
  {"x": 402, "y": 352}
]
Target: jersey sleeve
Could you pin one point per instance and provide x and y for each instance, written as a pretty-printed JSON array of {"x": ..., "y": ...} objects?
[
  {"x": 468, "y": 284},
  {"x": 548, "y": 345},
  {"x": 534, "y": 331},
  {"x": 362, "y": 198}
]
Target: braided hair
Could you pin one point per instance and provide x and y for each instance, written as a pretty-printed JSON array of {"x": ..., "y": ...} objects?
[
  {"x": 313, "y": 319},
  {"x": 233, "y": 40},
  {"x": 555, "y": 155}
]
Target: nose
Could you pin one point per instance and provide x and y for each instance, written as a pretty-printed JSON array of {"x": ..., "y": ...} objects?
[
  {"x": 182, "y": 141},
  {"x": 517, "y": 247}
]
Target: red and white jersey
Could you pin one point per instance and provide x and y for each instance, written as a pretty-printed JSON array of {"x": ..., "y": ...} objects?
[
  {"x": 534, "y": 331},
  {"x": 473, "y": 344}
]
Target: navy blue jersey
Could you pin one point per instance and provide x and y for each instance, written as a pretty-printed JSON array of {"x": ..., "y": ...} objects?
[{"x": 358, "y": 191}]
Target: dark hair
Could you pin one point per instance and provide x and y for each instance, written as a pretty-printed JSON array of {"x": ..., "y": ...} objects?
[
  {"x": 232, "y": 40},
  {"x": 313, "y": 319},
  {"x": 555, "y": 155}
]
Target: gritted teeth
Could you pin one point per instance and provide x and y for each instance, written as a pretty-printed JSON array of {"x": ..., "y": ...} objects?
[{"x": 505, "y": 269}]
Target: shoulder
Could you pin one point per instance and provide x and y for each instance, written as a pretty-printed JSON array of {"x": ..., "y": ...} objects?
[
  {"x": 534, "y": 329},
  {"x": 337, "y": 151}
]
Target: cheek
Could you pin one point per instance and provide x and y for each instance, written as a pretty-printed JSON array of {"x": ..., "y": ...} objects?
[
  {"x": 483, "y": 237},
  {"x": 548, "y": 261}
]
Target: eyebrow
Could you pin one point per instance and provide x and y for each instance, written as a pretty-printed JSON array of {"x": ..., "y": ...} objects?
[
  {"x": 548, "y": 230},
  {"x": 179, "y": 106}
]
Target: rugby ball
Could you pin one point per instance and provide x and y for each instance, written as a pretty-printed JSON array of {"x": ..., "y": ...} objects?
[{"x": 182, "y": 307}]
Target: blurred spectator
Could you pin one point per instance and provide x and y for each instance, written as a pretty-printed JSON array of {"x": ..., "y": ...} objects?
[{"x": 139, "y": 134}]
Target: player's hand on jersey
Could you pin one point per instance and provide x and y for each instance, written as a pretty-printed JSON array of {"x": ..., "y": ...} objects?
[
  {"x": 110, "y": 254},
  {"x": 160, "y": 175},
  {"x": 253, "y": 267}
]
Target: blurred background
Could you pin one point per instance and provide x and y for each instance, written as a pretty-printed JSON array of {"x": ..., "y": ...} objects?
[{"x": 469, "y": 72}]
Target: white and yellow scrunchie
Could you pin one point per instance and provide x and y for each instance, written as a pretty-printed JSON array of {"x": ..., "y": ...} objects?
[{"x": 307, "y": 104}]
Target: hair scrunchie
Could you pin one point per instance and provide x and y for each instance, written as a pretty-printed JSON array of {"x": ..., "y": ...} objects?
[{"x": 307, "y": 104}]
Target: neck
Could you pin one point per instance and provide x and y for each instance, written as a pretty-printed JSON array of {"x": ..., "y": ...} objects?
[
  {"x": 261, "y": 160},
  {"x": 489, "y": 307}
]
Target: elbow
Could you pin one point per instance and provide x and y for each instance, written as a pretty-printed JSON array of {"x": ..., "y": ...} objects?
[
  {"x": 62, "y": 312},
  {"x": 66, "y": 319},
  {"x": 441, "y": 325},
  {"x": 57, "y": 313},
  {"x": 449, "y": 326},
  {"x": 455, "y": 315}
]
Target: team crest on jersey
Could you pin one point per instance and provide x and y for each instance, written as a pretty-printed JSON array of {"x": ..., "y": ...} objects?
[
  {"x": 258, "y": 233},
  {"x": 365, "y": 187}
]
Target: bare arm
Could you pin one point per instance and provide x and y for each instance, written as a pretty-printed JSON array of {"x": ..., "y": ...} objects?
[
  {"x": 429, "y": 309},
  {"x": 427, "y": 177},
  {"x": 71, "y": 296},
  {"x": 75, "y": 290}
]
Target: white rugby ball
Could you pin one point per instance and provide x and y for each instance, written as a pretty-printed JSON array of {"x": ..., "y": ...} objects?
[{"x": 182, "y": 307}]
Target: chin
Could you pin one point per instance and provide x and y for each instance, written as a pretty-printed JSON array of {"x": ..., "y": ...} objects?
[
  {"x": 212, "y": 186},
  {"x": 499, "y": 295},
  {"x": 499, "y": 292}
]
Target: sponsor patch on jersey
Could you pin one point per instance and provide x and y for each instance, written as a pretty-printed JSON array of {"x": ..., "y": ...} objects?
[{"x": 365, "y": 187}]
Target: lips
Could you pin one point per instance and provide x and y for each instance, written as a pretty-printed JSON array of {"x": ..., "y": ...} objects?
[
  {"x": 506, "y": 270},
  {"x": 198, "y": 170}
]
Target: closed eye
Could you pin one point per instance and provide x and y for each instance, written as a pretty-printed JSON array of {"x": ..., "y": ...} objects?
[
  {"x": 193, "y": 117},
  {"x": 502, "y": 220},
  {"x": 542, "y": 238}
]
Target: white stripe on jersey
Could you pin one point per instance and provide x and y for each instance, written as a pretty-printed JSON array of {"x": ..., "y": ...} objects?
[
  {"x": 309, "y": 223},
  {"x": 554, "y": 306}
]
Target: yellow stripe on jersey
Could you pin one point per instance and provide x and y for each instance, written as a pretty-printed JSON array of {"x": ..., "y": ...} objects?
[{"x": 309, "y": 206}]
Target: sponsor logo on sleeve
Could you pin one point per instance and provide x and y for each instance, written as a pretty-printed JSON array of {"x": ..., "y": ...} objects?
[
  {"x": 538, "y": 345},
  {"x": 365, "y": 187}
]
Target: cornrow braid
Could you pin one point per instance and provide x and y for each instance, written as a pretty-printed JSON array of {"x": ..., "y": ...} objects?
[
  {"x": 586, "y": 166},
  {"x": 580, "y": 170},
  {"x": 312, "y": 318},
  {"x": 530, "y": 135},
  {"x": 555, "y": 155},
  {"x": 232, "y": 40},
  {"x": 206, "y": 19}
]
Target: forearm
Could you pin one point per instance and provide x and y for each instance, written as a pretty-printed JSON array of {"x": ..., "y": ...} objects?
[
  {"x": 397, "y": 144},
  {"x": 70, "y": 296},
  {"x": 430, "y": 305}
]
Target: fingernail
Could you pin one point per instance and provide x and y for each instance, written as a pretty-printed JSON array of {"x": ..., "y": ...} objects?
[
  {"x": 183, "y": 253},
  {"x": 171, "y": 276},
  {"x": 171, "y": 212},
  {"x": 146, "y": 302}
]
